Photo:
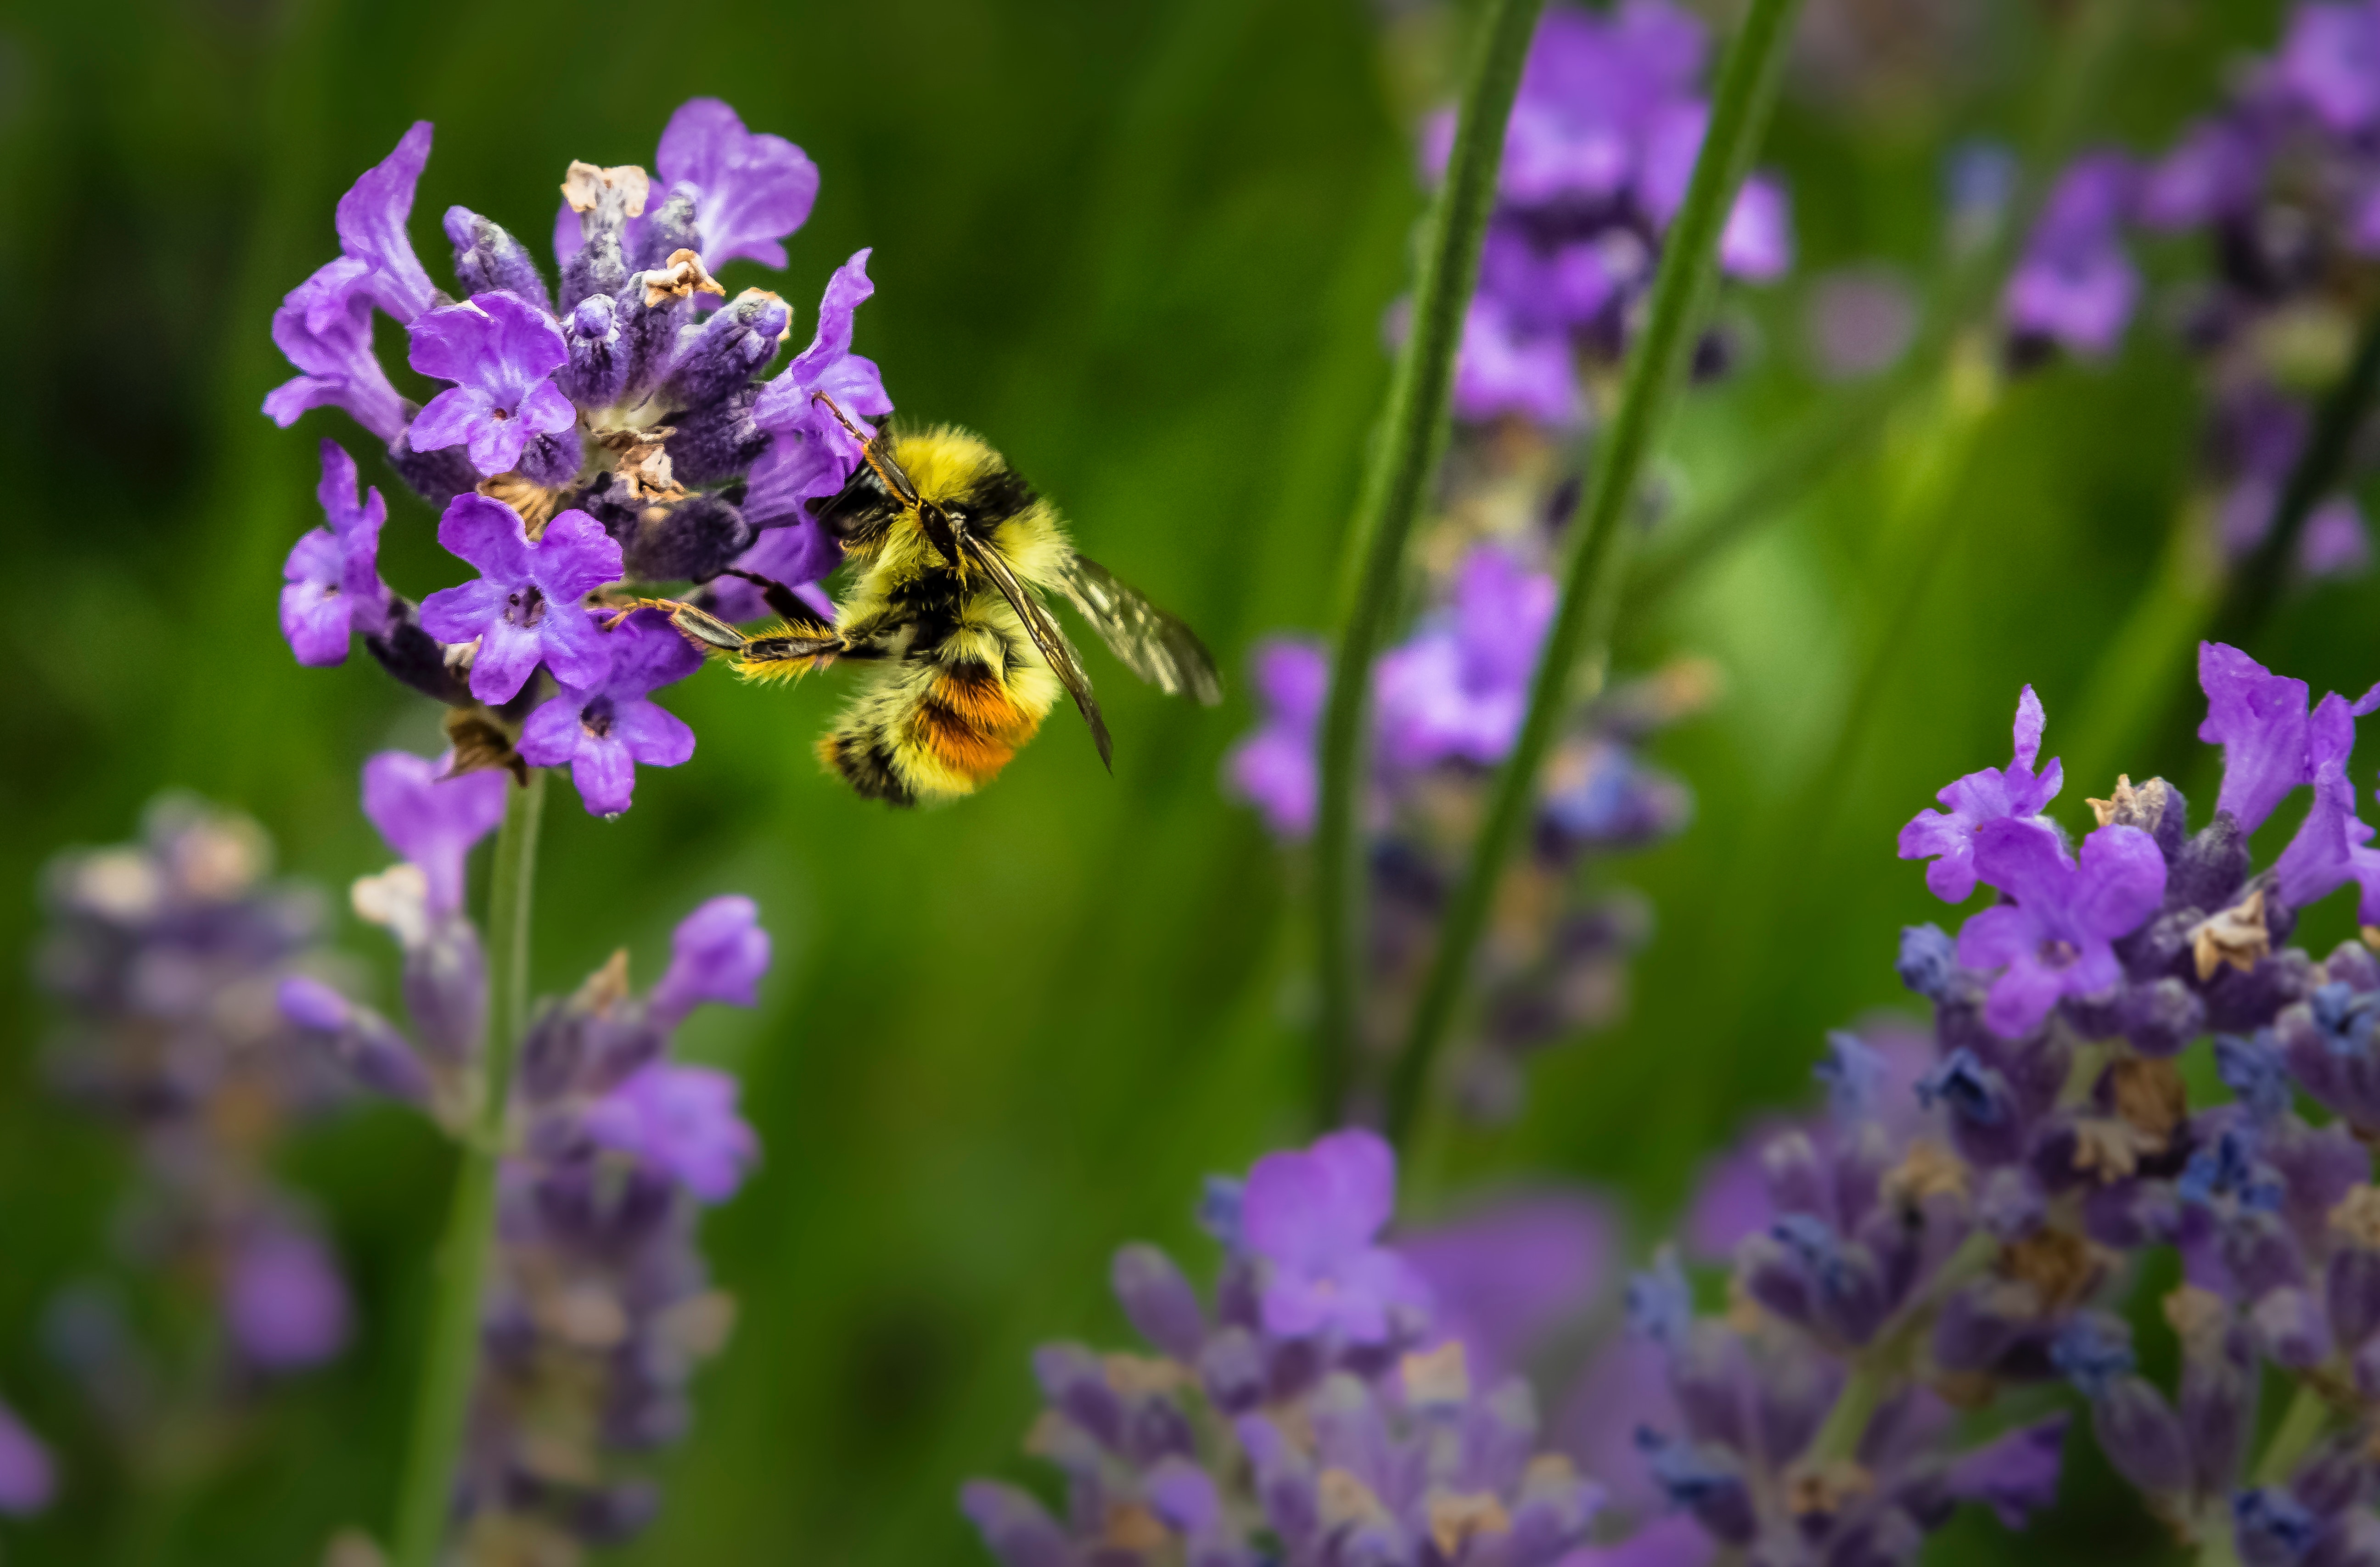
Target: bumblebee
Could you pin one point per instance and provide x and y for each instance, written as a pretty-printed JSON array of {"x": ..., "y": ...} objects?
[{"x": 955, "y": 551}]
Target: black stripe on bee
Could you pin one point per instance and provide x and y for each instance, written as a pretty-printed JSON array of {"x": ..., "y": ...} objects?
[{"x": 995, "y": 497}]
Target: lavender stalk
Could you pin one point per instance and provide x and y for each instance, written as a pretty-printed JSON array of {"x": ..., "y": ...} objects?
[
  {"x": 1412, "y": 434},
  {"x": 425, "y": 1497},
  {"x": 1739, "y": 112}
]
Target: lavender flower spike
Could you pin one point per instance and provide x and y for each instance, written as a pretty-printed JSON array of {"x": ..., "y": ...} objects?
[
  {"x": 2016, "y": 790},
  {"x": 333, "y": 587},
  {"x": 717, "y": 954},
  {"x": 1315, "y": 1218},
  {"x": 523, "y": 608},
  {"x": 683, "y": 1121},
  {"x": 2055, "y": 939},
  {"x": 500, "y": 352},
  {"x": 751, "y": 190},
  {"x": 432, "y": 818},
  {"x": 602, "y": 731}
]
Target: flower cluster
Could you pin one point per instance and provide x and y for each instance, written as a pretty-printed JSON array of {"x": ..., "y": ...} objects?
[
  {"x": 619, "y": 430},
  {"x": 1446, "y": 707},
  {"x": 164, "y": 956},
  {"x": 2282, "y": 186},
  {"x": 1315, "y": 1411},
  {"x": 1602, "y": 141},
  {"x": 599, "y": 1308},
  {"x": 1961, "y": 1221}
]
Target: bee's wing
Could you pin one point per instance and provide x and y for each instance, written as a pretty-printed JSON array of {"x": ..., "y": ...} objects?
[
  {"x": 1154, "y": 645},
  {"x": 1046, "y": 637}
]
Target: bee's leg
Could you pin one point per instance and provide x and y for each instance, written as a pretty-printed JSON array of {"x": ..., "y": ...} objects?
[
  {"x": 699, "y": 626},
  {"x": 781, "y": 600}
]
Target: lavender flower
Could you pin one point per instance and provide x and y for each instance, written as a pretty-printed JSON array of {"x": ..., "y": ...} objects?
[
  {"x": 501, "y": 351},
  {"x": 525, "y": 607},
  {"x": 602, "y": 431},
  {"x": 599, "y": 1308},
  {"x": 2074, "y": 284},
  {"x": 603, "y": 729},
  {"x": 2055, "y": 938},
  {"x": 1340, "y": 1449},
  {"x": 1274, "y": 768},
  {"x": 165, "y": 957},
  {"x": 1313, "y": 1218},
  {"x": 432, "y": 818},
  {"x": 1947, "y": 838}
]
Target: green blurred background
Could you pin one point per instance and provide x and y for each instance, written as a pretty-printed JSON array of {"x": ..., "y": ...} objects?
[{"x": 1147, "y": 248}]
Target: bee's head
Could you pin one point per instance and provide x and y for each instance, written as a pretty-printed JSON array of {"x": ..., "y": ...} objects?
[{"x": 949, "y": 468}]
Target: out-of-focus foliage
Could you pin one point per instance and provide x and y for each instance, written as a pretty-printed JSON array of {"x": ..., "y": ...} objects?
[{"x": 1145, "y": 248}]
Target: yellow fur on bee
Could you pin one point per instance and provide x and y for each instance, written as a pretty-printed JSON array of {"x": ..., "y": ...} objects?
[{"x": 766, "y": 670}]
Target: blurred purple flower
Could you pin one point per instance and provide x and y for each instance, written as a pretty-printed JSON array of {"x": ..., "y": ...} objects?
[
  {"x": 810, "y": 455},
  {"x": 1504, "y": 368},
  {"x": 603, "y": 729},
  {"x": 2335, "y": 542},
  {"x": 1500, "y": 1277},
  {"x": 28, "y": 1478},
  {"x": 1859, "y": 322},
  {"x": 1947, "y": 838},
  {"x": 430, "y": 818},
  {"x": 2054, "y": 940},
  {"x": 1315, "y": 1218},
  {"x": 1460, "y": 689},
  {"x": 718, "y": 953},
  {"x": 1273, "y": 769},
  {"x": 501, "y": 351},
  {"x": 524, "y": 606},
  {"x": 1757, "y": 243},
  {"x": 2016, "y": 1475},
  {"x": 284, "y": 1301},
  {"x": 683, "y": 1121},
  {"x": 333, "y": 587},
  {"x": 2213, "y": 173},
  {"x": 2330, "y": 60},
  {"x": 2074, "y": 283}
]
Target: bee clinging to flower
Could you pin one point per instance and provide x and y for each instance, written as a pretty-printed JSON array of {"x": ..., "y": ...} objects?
[{"x": 955, "y": 551}]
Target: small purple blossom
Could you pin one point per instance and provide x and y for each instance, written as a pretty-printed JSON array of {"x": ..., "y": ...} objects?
[
  {"x": 324, "y": 327},
  {"x": 331, "y": 578},
  {"x": 370, "y": 222},
  {"x": 1273, "y": 769},
  {"x": 2054, "y": 940},
  {"x": 1947, "y": 837},
  {"x": 752, "y": 189},
  {"x": 501, "y": 351},
  {"x": 1459, "y": 690},
  {"x": 432, "y": 818},
  {"x": 2335, "y": 542},
  {"x": 28, "y": 1477},
  {"x": 524, "y": 606},
  {"x": 810, "y": 455},
  {"x": 683, "y": 1121},
  {"x": 603, "y": 729},
  {"x": 1757, "y": 243},
  {"x": 2261, "y": 721},
  {"x": 2331, "y": 62},
  {"x": 718, "y": 953},
  {"x": 1504, "y": 368},
  {"x": 284, "y": 1301},
  {"x": 1315, "y": 1218},
  {"x": 2212, "y": 173},
  {"x": 2075, "y": 284}
]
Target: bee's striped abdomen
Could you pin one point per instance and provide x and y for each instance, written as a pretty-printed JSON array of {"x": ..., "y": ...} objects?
[{"x": 967, "y": 725}]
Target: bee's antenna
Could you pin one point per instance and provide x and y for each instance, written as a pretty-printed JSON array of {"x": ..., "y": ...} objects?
[{"x": 886, "y": 470}]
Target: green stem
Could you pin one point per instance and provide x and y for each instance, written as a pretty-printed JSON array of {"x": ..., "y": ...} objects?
[
  {"x": 1582, "y": 625},
  {"x": 1413, "y": 430},
  {"x": 2301, "y": 1424},
  {"x": 444, "y": 1400}
]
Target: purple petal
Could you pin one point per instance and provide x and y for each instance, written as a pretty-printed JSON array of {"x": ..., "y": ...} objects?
[
  {"x": 2122, "y": 882},
  {"x": 315, "y": 620},
  {"x": 653, "y": 734},
  {"x": 1309, "y": 1209},
  {"x": 718, "y": 953},
  {"x": 1998, "y": 936},
  {"x": 2017, "y": 1475},
  {"x": 508, "y": 655},
  {"x": 846, "y": 290},
  {"x": 454, "y": 417},
  {"x": 1758, "y": 244},
  {"x": 1503, "y": 368},
  {"x": 549, "y": 736},
  {"x": 2260, "y": 720},
  {"x": 495, "y": 445},
  {"x": 604, "y": 772},
  {"x": 648, "y": 653},
  {"x": 2030, "y": 721},
  {"x": 2331, "y": 61},
  {"x": 1502, "y": 1276},
  {"x": 573, "y": 559},
  {"x": 2022, "y": 858},
  {"x": 1275, "y": 772},
  {"x": 488, "y": 534},
  {"x": 545, "y": 411},
  {"x": 370, "y": 221},
  {"x": 433, "y": 820},
  {"x": 683, "y": 1120},
  {"x": 284, "y": 1302},
  {"x": 578, "y": 650},
  {"x": 461, "y": 613},
  {"x": 755, "y": 189},
  {"x": 2021, "y": 997},
  {"x": 324, "y": 327}
]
